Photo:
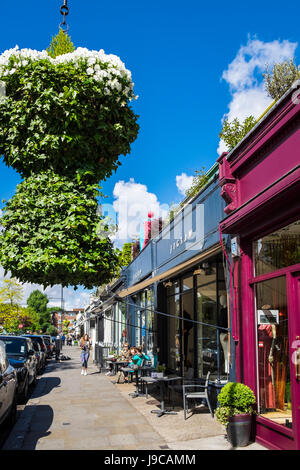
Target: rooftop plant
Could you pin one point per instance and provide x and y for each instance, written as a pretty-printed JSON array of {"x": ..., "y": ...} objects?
[
  {"x": 280, "y": 78},
  {"x": 233, "y": 132}
]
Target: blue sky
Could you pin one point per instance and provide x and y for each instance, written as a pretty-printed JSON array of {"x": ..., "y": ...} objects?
[{"x": 178, "y": 53}]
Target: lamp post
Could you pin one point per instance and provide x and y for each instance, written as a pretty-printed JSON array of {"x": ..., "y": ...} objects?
[{"x": 62, "y": 309}]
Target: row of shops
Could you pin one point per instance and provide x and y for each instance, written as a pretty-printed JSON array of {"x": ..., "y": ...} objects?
[{"x": 218, "y": 289}]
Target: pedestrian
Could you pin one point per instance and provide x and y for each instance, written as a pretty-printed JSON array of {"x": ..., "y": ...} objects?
[
  {"x": 85, "y": 347},
  {"x": 63, "y": 338}
]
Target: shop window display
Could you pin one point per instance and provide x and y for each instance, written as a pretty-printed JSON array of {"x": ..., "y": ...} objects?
[
  {"x": 277, "y": 250},
  {"x": 273, "y": 351},
  {"x": 198, "y": 345},
  {"x": 144, "y": 321}
]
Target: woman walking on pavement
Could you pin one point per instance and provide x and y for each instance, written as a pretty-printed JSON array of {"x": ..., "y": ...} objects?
[{"x": 85, "y": 346}]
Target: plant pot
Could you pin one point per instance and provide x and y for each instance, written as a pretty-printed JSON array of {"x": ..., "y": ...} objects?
[{"x": 239, "y": 430}]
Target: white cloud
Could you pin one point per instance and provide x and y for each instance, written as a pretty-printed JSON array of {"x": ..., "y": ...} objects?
[
  {"x": 244, "y": 77},
  {"x": 72, "y": 298},
  {"x": 183, "y": 183},
  {"x": 132, "y": 204}
]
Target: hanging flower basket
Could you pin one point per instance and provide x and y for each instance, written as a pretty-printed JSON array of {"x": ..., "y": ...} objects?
[{"x": 69, "y": 114}]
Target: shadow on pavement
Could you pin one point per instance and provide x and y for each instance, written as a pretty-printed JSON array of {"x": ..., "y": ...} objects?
[
  {"x": 46, "y": 384},
  {"x": 41, "y": 422}
]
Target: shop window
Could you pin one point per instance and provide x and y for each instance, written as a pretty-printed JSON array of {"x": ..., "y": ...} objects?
[
  {"x": 188, "y": 330},
  {"x": 174, "y": 334},
  {"x": 278, "y": 250},
  {"x": 273, "y": 351}
]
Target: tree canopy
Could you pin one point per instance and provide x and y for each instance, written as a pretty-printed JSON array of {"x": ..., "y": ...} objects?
[{"x": 11, "y": 291}]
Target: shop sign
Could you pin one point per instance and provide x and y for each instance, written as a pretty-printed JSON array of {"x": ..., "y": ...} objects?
[{"x": 268, "y": 317}]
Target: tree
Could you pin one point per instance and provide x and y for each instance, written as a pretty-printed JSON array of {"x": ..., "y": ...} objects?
[
  {"x": 65, "y": 326},
  {"x": 280, "y": 78},
  {"x": 52, "y": 331},
  {"x": 126, "y": 254},
  {"x": 38, "y": 301},
  {"x": 12, "y": 316},
  {"x": 11, "y": 291},
  {"x": 233, "y": 132}
]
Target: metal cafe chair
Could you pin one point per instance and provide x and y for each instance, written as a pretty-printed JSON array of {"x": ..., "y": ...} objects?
[
  {"x": 188, "y": 379},
  {"x": 196, "y": 392}
]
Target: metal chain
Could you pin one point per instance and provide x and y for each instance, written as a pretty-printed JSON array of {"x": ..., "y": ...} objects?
[{"x": 64, "y": 10}]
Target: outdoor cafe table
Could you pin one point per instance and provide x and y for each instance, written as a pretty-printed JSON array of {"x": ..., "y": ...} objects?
[
  {"x": 162, "y": 381},
  {"x": 119, "y": 364},
  {"x": 143, "y": 370},
  {"x": 109, "y": 362}
]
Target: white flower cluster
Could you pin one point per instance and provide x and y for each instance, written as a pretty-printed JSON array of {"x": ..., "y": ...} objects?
[{"x": 106, "y": 68}]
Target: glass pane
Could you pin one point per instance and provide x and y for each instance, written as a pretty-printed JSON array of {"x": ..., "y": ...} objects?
[
  {"x": 187, "y": 283},
  {"x": 150, "y": 334},
  {"x": 207, "y": 273},
  {"x": 143, "y": 331},
  {"x": 206, "y": 313},
  {"x": 172, "y": 287},
  {"x": 273, "y": 351},
  {"x": 188, "y": 332},
  {"x": 277, "y": 250},
  {"x": 174, "y": 334},
  {"x": 149, "y": 294}
]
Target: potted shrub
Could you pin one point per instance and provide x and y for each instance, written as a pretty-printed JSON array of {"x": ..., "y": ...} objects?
[
  {"x": 236, "y": 407},
  {"x": 161, "y": 369}
]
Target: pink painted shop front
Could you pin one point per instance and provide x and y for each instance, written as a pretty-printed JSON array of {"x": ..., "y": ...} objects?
[{"x": 260, "y": 182}]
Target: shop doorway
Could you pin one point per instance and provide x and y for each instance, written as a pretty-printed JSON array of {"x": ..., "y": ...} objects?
[{"x": 278, "y": 354}]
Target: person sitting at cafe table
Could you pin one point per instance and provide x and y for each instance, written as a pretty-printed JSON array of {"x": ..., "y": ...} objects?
[
  {"x": 138, "y": 357},
  {"x": 125, "y": 352}
]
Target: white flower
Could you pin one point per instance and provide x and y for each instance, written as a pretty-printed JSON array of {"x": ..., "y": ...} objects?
[{"x": 103, "y": 67}]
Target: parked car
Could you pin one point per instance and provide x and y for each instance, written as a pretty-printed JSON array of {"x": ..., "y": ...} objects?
[
  {"x": 53, "y": 341},
  {"x": 40, "y": 340},
  {"x": 21, "y": 356},
  {"x": 8, "y": 389},
  {"x": 40, "y": 357},
  {"x": 48, "y": 338},
  {"x": 48, "y": 347}
]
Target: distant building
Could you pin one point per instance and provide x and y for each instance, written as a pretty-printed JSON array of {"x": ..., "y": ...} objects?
[
  {"x": 71, "y": 315},
  {"x": 59, "y": 317}
]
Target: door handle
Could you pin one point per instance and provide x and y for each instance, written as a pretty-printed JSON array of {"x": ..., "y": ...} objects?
[{"x": 297, "y": 364}]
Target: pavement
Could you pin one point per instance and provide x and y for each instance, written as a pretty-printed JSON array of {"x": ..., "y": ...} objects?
[{"x": 69, "y": 411}]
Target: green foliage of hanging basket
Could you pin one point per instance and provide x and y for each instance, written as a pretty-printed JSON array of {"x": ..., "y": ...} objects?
[
  {"x": 50, "y": 234},
  {"x": 69, "y": 114}
]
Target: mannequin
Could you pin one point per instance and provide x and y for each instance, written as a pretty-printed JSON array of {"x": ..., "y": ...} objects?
[{"x": 223, "y": 334}]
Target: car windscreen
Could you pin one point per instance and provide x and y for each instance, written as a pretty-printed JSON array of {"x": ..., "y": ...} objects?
[{"x": 15, "y": 346}]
